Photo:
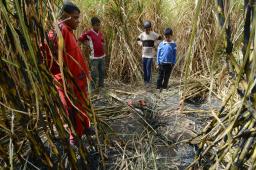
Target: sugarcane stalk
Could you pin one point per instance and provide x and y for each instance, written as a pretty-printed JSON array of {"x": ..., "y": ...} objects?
[
  {"x": 189, "y": 58},
  {"x": 253, "y": 159},
  {"x": 241, "y": 159}
]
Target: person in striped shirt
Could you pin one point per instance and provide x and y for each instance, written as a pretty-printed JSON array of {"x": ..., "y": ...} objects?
[{"x": 148, "y": 40}]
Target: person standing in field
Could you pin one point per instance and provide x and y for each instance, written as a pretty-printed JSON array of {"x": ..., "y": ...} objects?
[
  {"x": 148, "y": 40},
  {"x": 166, "y": 58},
  {"x": 76, "y": 101},
  {"x": 94, "y": 41}
]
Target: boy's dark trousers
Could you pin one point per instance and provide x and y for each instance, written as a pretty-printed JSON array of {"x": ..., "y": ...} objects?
[
  {"x": 98, "y": 72},
  {"x": 164, "y": 75}
]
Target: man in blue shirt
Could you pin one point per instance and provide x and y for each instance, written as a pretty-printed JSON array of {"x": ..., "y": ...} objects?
[{"x": 166, "y": 58}]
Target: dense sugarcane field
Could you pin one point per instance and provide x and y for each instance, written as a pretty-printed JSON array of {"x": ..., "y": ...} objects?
[{"x": 205, "y": 119}]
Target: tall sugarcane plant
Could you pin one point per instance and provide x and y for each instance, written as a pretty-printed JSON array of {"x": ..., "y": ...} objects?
[
  {"x": 32, "y": 119},
  {"x": 230, "y": 137}
]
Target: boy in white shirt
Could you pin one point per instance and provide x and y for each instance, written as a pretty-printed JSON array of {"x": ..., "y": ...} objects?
[{"x": 148, "y": 40}]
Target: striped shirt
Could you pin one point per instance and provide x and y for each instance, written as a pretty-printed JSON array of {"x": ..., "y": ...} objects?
[{"x": 148, "y": 41}]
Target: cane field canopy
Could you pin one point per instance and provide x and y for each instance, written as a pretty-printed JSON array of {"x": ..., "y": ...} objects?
[{"x": 205, "y": 119}]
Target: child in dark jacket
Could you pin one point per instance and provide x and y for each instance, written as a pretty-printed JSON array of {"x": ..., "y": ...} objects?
[{"x": 166, "y": 58}]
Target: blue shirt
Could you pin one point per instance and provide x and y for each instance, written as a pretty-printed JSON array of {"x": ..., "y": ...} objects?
[{"x": 166, "y": 53}]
